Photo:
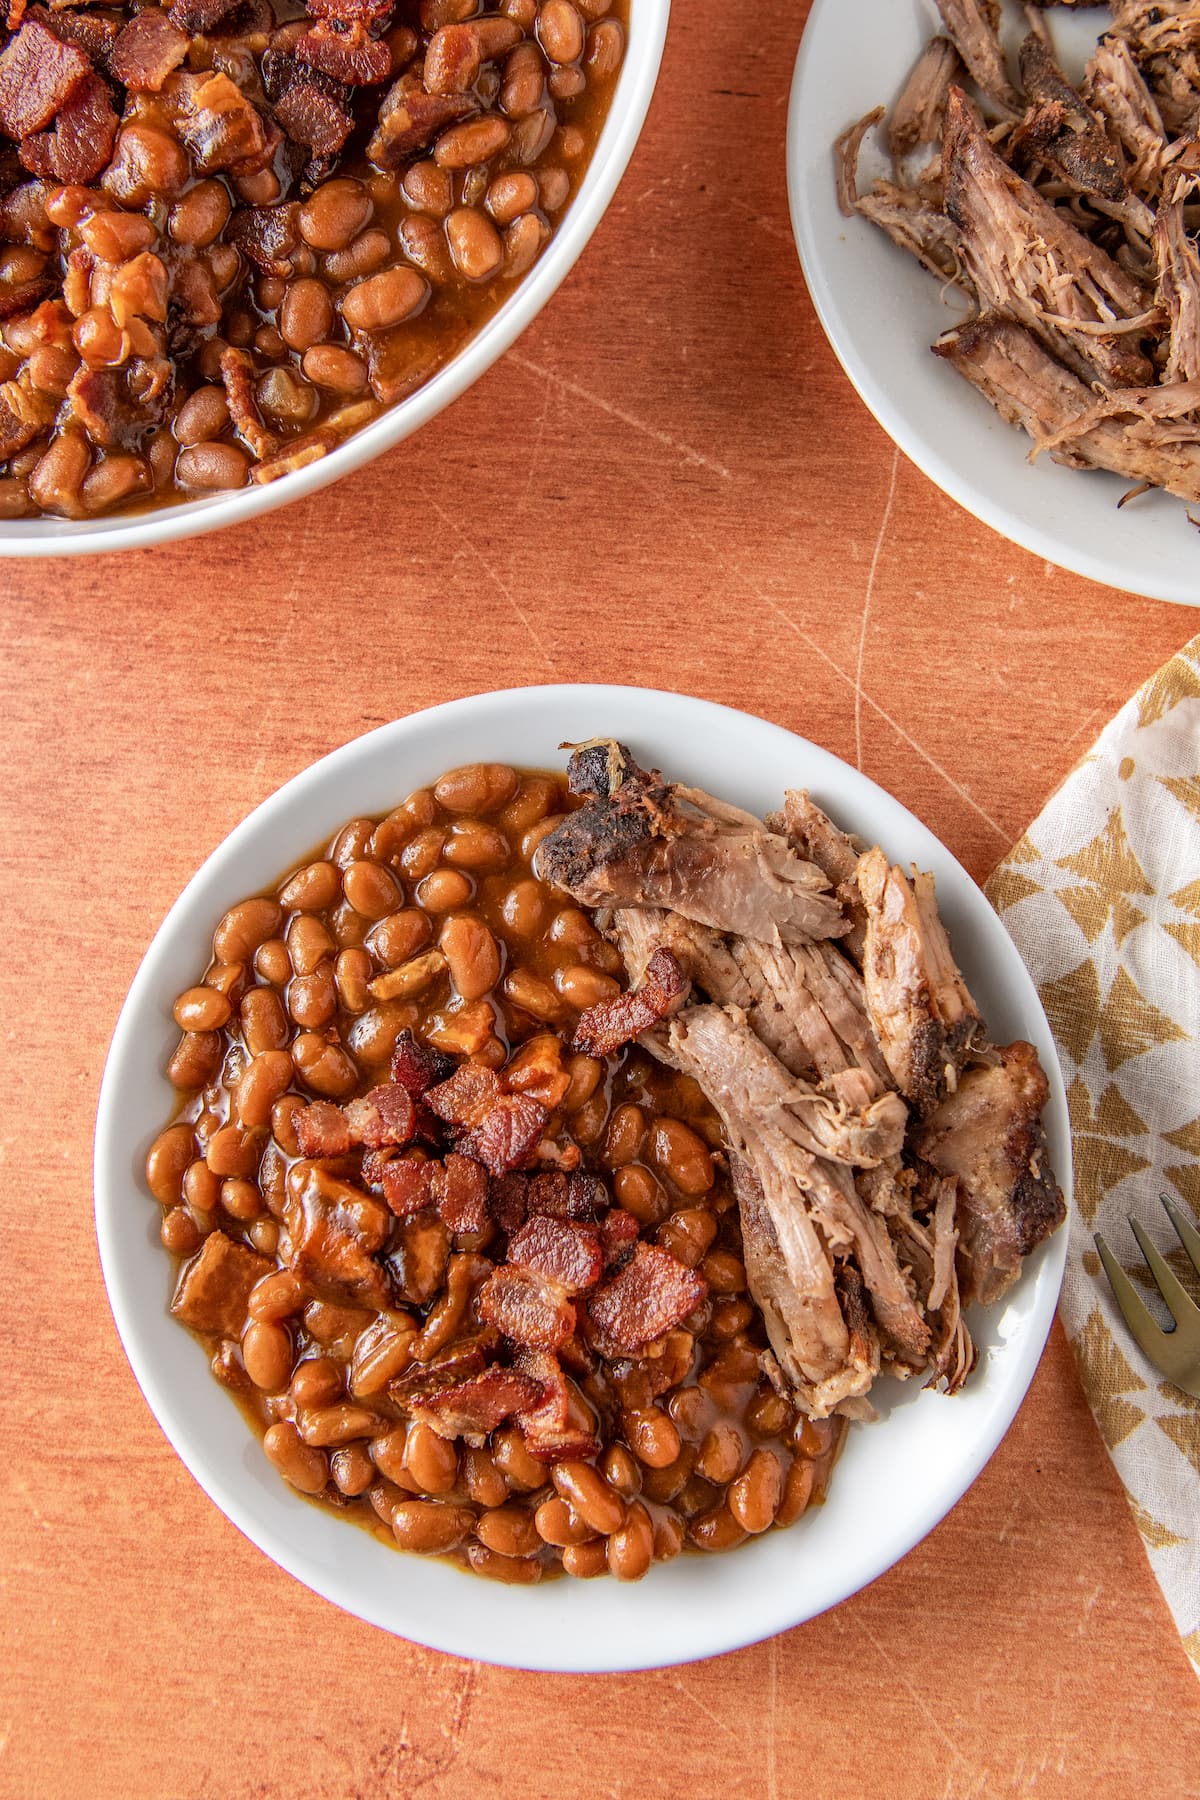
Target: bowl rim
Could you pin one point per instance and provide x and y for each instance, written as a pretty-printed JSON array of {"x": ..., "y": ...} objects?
[
  {"x": 658, "y": 1642},
  {"x": 618, "y": 139},
  {"x": 902, "y": 424}
]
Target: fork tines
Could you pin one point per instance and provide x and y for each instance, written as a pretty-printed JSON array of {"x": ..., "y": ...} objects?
[{"x": 1177, "y": 1352}]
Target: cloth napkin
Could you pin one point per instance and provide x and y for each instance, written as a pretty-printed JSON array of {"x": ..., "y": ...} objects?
[{"x": 1102, "y": 897}]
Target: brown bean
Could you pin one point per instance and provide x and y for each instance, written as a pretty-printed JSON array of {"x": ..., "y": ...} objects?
[
  {"x": 167, "y": 1162},
  {"x": 474, "y": 244},
  {"x": 510, "y": 1456},
  {"x": 581, "y": 987},
  {"x": 560, "y": 31},
  {"x": 604, "y": 50},
  {"x": 640, "y": 1194},
  {"x": 201, "y": 1188},
  {"x": 264, "y": 1024},
  {"x": 481, "y": 1479},
  {"x": 241, "y": 1199},
  {"x": 372, "y": 1037},
  {"x": 585, "y": 1073},
  {"x": 754, "y": 1497},
  {"x": 472, "y": 955},
  {"x": 352, "y": 972},
  {"x": 232, "y": 1151},
  {"x": 308, "y": 943},
  {"x": 724, "y": 1272},
  {"x": 509, "y": 1531},
  {"x": 306, "y": 315},
  {"x": 687, "y": 1234},
  {"x": 352, "y": 1470},
  {"x": 272, "y": 962},
  {"x": 383, "y": 300},
  {"x": 425, "y": 186},
  {"x": 621, "y": 1471},
  {"x": 201, "y": 1009},
  {"x": 556, "y": 1524},
  {"x": 522, "y": 241},
  {"x": 316, "y": 1382},
  {"x": 324, "y": 1067},
  {"x": 720, "y": 1455},
  {"x": 429, "y": 1529},
  {"x": 334, "y": 213},
  {"x": 524, "y": 907},
  {"x": 203, "y": 415},
  {"x": 421, "y": 855},
  {"x": 532, "y": 994},
  {"x": 554, "y": 186},
  {"x": 471, "y": 845},
  {"x": 212, "y": 466},
  {"x": 179, "y": 1231},
  {"x": 565, "y": 80},
  {"x": 244, "y": 927},
  {"x": 199, "y": 217},
  {"x": 797, "y": 1491},
  {"x": 531, "y": 137},
  {"x": 471, "y": 141},
  {"x": 265, "y": 1078},
  {"x": 334, "y": 368},
  {"x": 729, "y": 1317},
  {"x": 371, "y": 889},
  {"x": 383, "y": 1351},
  {"x": 631, "y": 1548},
  {"x": 148, "y": 165},
  {"x": 683, "y": 1157},
  {"x": 444, "y": 889},
  {"x": 626, "y": 1134},
  {"x": 508, "y": 196},
  {"x": 514, "y": 1570},
  {"x": 276, "y": 1296},
  {"x": 57, "y": 478},
  {"x": 312, "y": 999},
  {"x": 304, "y": 1467},
  {"x": 267, "y": 1355},
  {"x": 432, "y": 1461},
  {"x": 398, "y": 938},
  {"x": 115, "y": 477},
  {"x": 592, "y": 1499},
  {"x": 669, "y": 1535},
  {"x": 330, "y": 1425},
  {"x": 310, "y": 889},
  {"x": 423, "y": 241},
  {"x": 524, "y": 82},
  {"x": 652, "y": 1437},
  {"x": 586, "y": 1561},
  {"x": 195, "y": 1059},
  {"x": 362, "y": 256},
  {"x": 716, "y": 1529}
]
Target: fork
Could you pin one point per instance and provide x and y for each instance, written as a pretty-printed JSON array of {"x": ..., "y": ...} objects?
[{"x": 1177, "y": 1352}]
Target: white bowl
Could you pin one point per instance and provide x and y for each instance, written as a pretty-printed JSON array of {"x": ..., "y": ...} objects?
[
  {"x": 881, "y": 312},
  {"x": 922, "y": 1454},
  {"x": 622, "y": 128}
]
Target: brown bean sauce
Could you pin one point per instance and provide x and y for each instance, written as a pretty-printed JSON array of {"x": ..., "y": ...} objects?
[{"x": 697, "y": 1450}]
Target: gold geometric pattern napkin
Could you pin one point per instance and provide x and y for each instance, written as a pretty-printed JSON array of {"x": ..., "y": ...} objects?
[{"x": 1102, "y": 897}]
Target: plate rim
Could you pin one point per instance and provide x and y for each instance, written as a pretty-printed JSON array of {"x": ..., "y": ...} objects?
[
  {"x": 876, "y": 396},
  {"x": 1041, "y": 1281}
]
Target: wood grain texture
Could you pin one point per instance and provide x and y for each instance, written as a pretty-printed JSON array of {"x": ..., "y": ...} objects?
[{"x": 668, "y": 481}]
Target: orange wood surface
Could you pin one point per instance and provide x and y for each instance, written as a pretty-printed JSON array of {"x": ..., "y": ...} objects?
[{"x": 668, "y": 481}]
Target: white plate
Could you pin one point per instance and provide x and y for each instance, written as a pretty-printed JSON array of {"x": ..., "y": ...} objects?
[
  {"x": 881, "y": 312},
  {"x": 163, "y": 524},
  {"x": 922, "y": 1454}
]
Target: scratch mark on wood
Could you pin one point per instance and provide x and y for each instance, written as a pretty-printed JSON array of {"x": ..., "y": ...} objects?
[
  {"x": 866, "y": 611},
  {"x": 616, "y": 412}
]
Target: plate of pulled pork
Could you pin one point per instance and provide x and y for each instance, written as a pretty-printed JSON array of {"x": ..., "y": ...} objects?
[
  {"x": 692, "y": 1177},
  {"x": 994, "y": 205}
]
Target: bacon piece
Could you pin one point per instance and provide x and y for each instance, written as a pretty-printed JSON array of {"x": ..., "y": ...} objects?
[
  {"x": 367, "y": 12},
  {"x": 38, "y": 75},
  {"x": 220, "y": 127},
  {"x": 465, "y": 1357},
  {"x": 81, "y": 143},
  {"x": 314, "y": 111},
  {"x": 237, "y": 372},
  {"x": 94, "y": 36},
  {"x": 418, "y": 1263},
  {"x": 460, "y": 1192},
  {"x": 617, "y": 1233},
  {"x": 508, "y": 1197},
  {"x": 194, "y": 16},
  {"x": 527, "y": 1308},
  {"x": 418, "y": 1067},
  {"x": 24, "y": 414},
  {"x": 604, "y": 1027},
  {"x": 409, "y": 118},
  {"x": 351, "y": 56},
  {"x": 569, "y": 1254},
  {"x": 560, "y": 1426},
  {"x": 147, "y": 50},
  {"x": 509, "y": 1134},
  {"x": 472, "y": 1408},
  {"x": 215, "y": 1285},
  {"x": 537, "y": 1070},
  {"x": 118, "y": 406},
  {"x": 383, "y": 1116},
  {"x": 322, "y": 1129},
  {"x": 407, "y": 1186},
  {"x": 653, "y": 1292},
  {"x": 333, "y": 1232},
  {"x": 467, "y": 1097},
  {"x": 562, "y": 1195}
]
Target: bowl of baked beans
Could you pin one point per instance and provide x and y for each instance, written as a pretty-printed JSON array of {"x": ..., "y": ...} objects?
[
  {"x": 344, "y": 1324},
  {"x": 246, "y": 246}
]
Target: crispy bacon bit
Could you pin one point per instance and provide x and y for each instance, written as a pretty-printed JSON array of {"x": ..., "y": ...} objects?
[
  {"x": 94, "y": 35},
  {"x": 527, "y": 1308},
  {"x": 417, "y": 1067},
  {"x": 147, "y": 50},
  {"x": 460, "y": 1192},
  {"x": 568, "y": 1253},
  {"x": 351, "y": 55},
  {"x": 237, "y": 372},
  {"x": 322, "y": 1129},
  {"x": 418, "y": 1263},
  {"x": 409, "y": 118},
  {"x": 347, "y": 12},
  {"x": 617, "y": 1233},
  {"x": 118, "y": 406},
  {"x": 472, "y": 1408},
  {"x": 560, "y": 1427},
  {"x": 38, "y": 75},
  {"x": 537, "y": 1070},
  {"x": 604, "y": 1027},
  {"x": 467, "y": 1097},
  {"x": 215, "y": 1285},
  {"x": 24, "y": 412},
  {"x": 407, "y": 1186},
  {"x": 561, "y": 1195},
  {"x": 194, "y": 16},
  {"x": 653, "y": 1292},
  {"x": 508, "y": 1199},
  {"x": 509, "y": 1135},
  {"x": 333, "y": 1232},
  {"x": 383, "y": 1116},
  {"x": 315, "y": 111},
  {"x": 268, "y": 235},
  {"x": 81, "y": 143},
  {"x": 218, "y": 124},
  {"x": 462, "y": 1359}
]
